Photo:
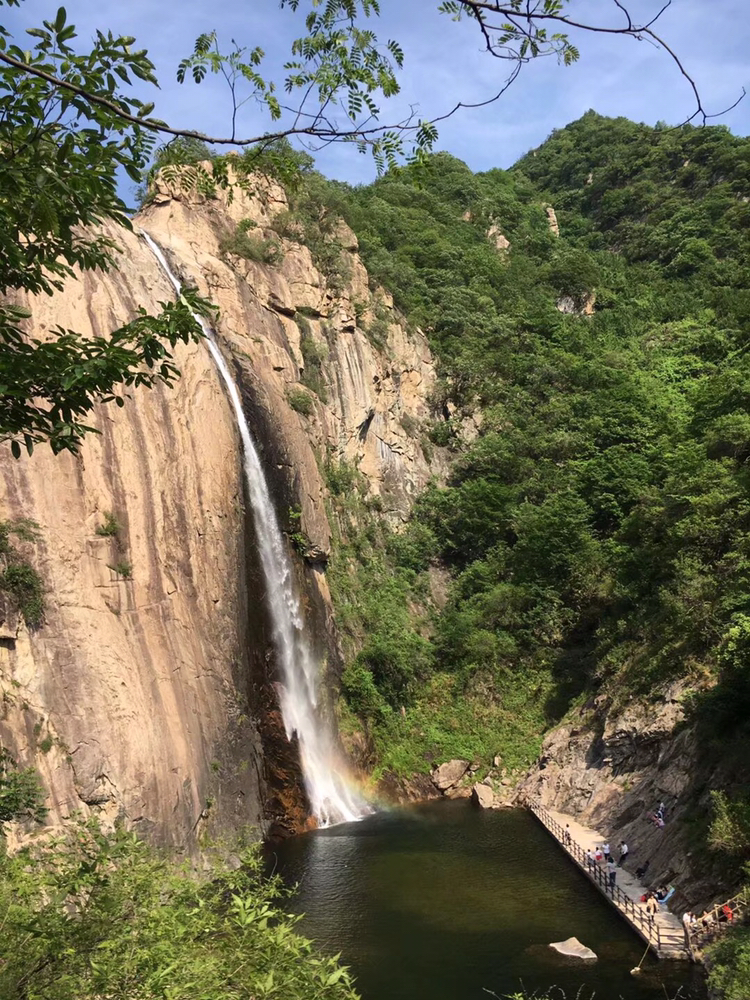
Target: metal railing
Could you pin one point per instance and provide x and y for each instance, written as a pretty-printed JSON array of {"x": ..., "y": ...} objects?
[{"x": 645, "y": 922}]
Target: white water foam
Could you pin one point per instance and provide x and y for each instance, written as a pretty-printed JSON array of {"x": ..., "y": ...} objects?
[{"x": 330, "y": 799}]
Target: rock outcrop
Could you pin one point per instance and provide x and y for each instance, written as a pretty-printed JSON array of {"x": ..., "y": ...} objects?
[
  {"x": 497, "y": 238},
  {"x": 613, "y": 765},
  {"x": 148, "y": 694},
  {"x": 130, "y": 699},
  {"x": 552, "y": 220},
  {"x": 448, "y": 775}
]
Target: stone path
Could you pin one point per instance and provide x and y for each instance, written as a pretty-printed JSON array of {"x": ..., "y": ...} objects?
[{"x": 664, "y": 931}]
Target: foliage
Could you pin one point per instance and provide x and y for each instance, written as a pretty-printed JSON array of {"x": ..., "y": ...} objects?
[
  {"x": 96, "y": 914},
  {"x": 21, "y": 794},
  {"x": 62, "y": 155},
  {"x": 314, "y": 355},
  {"x": 730, "y": 961},
  {"x": 243, "y": 243},
  {"x": 300, "y": 401},
  {"x": 111, "y": 526},
  {"x": 123, "y": 568},
  {"x": 315, "y": 207},
  {"x": 730, "y": 964},
  {"x": 598, "y": 529},
  {"x": 730, "y": 826},
  {"x": 70, "y": 125},
  {"x": 19, "y": 580}
]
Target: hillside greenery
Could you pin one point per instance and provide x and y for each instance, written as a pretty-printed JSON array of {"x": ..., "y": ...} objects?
[
  {"x": 597, "y": 528},
  {"x": 95, "y": 914}
]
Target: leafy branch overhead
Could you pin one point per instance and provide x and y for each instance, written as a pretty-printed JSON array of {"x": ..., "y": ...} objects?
[{"x": 71, "y": 124}]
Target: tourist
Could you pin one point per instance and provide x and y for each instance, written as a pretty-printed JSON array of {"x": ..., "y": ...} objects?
[
  {"x": 605, "y": 848},
  {"x": 598, "y": 854},
  {"x": 589, "y": 857},
  {"x": 652, "y": 904},
  {"x": 566, "y": 835},
  {"x": 612, "y": 872},
  {"x": 641, "y": 872},
  {"x": 687, "y": 918},
  {"x": 623, "y": 853}
]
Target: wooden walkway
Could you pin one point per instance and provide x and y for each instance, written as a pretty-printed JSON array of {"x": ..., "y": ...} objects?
[
  {"x": 717, "y": 921},
  {"x": 663, "y": 931}
]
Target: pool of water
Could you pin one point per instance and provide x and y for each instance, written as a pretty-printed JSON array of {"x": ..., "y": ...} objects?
[{"x": 445, "y": 902}]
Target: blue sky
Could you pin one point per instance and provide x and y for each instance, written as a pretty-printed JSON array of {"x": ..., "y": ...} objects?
[{"x": 444, "y": 62}]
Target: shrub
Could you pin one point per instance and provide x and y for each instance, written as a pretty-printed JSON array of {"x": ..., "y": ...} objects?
[
  {"x": 377, "y": 329},
  {"x": 300, "y": 401},
  {"x": 102, "y": 915},
  {"x": 21, "y": 794},
  {"x": 342, "y": 477},
  {"x": 358, "y": 688},
  {"x": 110, "y": 528},
  {"x": 123, "y": 569},
  {"x": 313, "y": 357},
  {"x": 441, "y": 433},
  {"x": 241, "y": 243},
  {"x": 24, "y": 584}
]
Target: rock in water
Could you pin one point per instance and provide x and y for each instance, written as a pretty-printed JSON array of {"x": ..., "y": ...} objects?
[
  {"x": 482, "y": 796},
  {"x": 574, "y": 949},
  {"x": 449, "y": 774}
]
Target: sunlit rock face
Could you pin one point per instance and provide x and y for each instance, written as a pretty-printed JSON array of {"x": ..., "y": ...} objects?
[{"x": 148, "y": 693}]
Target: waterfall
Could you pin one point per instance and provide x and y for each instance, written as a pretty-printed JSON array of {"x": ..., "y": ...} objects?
[{"x": 331, "y": 800}]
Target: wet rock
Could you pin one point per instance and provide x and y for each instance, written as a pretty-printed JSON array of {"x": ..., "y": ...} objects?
[
  {"x": 459, "y": 792},
  {"x": 414, "y": 789},
  {"x": 482, "y": 796}
]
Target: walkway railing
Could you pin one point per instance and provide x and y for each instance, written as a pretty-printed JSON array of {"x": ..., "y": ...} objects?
[
  {"x": 718, "y": 920},
  {"x": 643, "y": 922}
]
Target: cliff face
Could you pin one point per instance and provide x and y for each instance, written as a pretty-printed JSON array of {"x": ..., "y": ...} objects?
[{"x": 148, "y": 694}]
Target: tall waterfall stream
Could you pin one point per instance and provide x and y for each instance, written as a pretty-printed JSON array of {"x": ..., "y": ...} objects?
[{"x": 330, "y": 799}]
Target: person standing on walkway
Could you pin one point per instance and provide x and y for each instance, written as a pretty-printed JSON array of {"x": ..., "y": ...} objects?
[
  {"x": 605, "y": 848},
  {"x": 566, "y": 835},
  {"x": 612, "y": 870},
  {"x": 623, "y": 853},
  {"x": 589, "y": 857},
  {"x": 652, "y": 904}
]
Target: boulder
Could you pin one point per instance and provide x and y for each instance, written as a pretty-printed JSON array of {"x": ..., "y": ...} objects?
[
  {"x": 482, "y": 796},
  {"x": 449, "y": 774},
  {"x": 572, "y": 948},
  {"x": 458, "y": 792}
]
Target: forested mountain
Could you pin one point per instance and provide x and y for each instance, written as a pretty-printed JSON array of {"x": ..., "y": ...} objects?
[{"x": 597, "y": 529}]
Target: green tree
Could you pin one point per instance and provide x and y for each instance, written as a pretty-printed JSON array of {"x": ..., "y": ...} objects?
[
  {"x": 94, "y": 915},
  {"x": 69, "y": 123},
  {"x": 21, "y": 794}
]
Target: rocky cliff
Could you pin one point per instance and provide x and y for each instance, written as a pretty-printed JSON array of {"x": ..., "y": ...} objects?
[
  {"x": 613, "y": 764},
  {"x": 147, "y": 693}
]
